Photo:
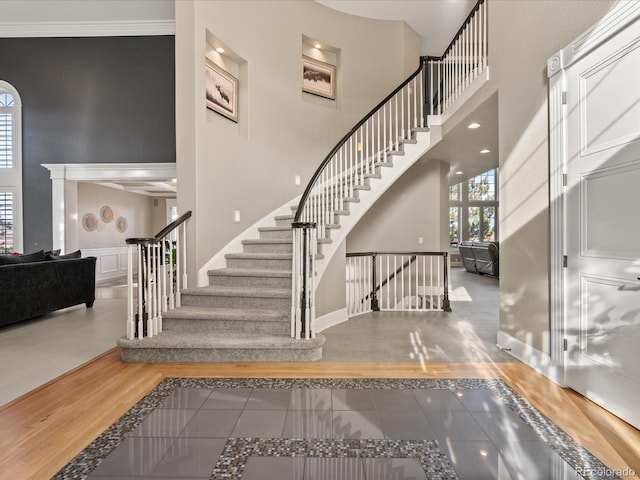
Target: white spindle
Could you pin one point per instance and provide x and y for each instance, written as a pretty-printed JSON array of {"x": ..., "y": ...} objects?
[
  {"x": 141, "y": 283},
  {"x": 131, "y": 328},
  {"x": 149, "y": 292}
]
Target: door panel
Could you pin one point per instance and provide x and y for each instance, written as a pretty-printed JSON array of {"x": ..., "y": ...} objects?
[
  {"x": 602, "y": 300},
  {"x": 609, "y": 212},
  {"x": 620, "y": 121}
]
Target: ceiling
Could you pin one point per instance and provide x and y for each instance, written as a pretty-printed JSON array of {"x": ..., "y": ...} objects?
[
  {"x": 436, "y": 21},
  {"x": 461, "y": 146},
  {"x": 163, "y": 189}
]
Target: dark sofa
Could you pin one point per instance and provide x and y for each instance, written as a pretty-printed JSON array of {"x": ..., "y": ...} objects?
[
  {"x": 32, "y": 288},
  {"x": 481, "y": 257}
]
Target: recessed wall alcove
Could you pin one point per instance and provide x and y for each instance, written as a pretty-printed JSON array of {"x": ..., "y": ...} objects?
[
  {"x": 238, "y": 67},
  {"x": 327, "y": 54}
]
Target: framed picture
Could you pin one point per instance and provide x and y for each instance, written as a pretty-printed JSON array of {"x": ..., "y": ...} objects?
[
  {"x": 318, "y": 78},
  {"x": 222, "y": 91}
]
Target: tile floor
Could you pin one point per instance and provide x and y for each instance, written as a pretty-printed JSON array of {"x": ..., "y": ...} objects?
[{"x": 333, "y": 429}]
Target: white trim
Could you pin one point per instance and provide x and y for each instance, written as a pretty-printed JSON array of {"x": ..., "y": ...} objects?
[
  {"x": 88, "y": 28},
  {"x": 111, "y": 262},
  {"x": 60, "y": 174},
  {"x": 331, "y": 319},
  {"x": 539, "y": 361},
  {"x": 469, "y": 92}
]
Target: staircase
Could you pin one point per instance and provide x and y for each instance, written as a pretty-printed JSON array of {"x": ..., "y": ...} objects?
[
  {"x": 259, "y": 304},
  {"x": 244, "y": 314}
]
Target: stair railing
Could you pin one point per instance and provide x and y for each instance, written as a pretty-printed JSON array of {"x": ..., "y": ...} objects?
[
  {"x": 159, "y": 264},
  {"x": 464, "y": 59},
  {"x": 370, "y": 144},
  {"x": 397, "y": 281}
]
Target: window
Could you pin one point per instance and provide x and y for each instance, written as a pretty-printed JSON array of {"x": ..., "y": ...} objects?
[
  {"x": 10, "y": 169},
  {"x": 7, "y": 104},
  {"x": 6, "y": 223},
  {"x": 473, "y": 209}
]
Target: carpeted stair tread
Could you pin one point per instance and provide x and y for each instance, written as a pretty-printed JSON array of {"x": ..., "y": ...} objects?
[
  {"x": 213, "y": 313},
  {"x": 249, "y": 272},
  {"x": 239, "y": 292},
  {"x": 260, "y": 241},
  {"x": 221, "y": 340},
  {"x": 260, "y": 256}
]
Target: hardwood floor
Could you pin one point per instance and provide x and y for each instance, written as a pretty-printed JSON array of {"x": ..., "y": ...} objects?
[{"x": 43, "y": 430}]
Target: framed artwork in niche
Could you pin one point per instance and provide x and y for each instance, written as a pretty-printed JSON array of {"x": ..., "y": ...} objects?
[
  {"x": 221, "y": 91},
  {"x": 318, "y": 78}
]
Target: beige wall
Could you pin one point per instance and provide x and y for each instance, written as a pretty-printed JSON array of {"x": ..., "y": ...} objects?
[
  {"x": 522, "y": 36},
  {"x": 331, "y": 294},
  {"x": 136, "y": 209},
  {"x": 251, "y": 167},
  {"x": 411, "y": 208}
]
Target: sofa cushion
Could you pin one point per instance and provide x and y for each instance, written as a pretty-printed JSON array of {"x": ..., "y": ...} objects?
[
  {"x": 76, "y": 254},
  {"x": 27, "y": 258}
]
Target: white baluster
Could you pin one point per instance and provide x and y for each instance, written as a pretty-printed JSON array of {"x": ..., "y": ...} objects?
[
  {"x": 178, "y": 264},
  {"x": 141, "y": 284},
  {"x": 131, "y": 328},
  {"x": 149, "y": 291}
]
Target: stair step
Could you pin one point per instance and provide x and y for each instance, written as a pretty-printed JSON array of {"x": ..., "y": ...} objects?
[
  {"x": 275, "y": 261},
  {"x": 413, "y": 141},
  {"x": 237, "y": 297},
  {"x": 250, "y": 277},
  {"x": 395, "y": 152},
  {"x": 275, "y": 232},
  {"x": 171, "y": 346},
  {"x": 283, "y": 220},
  {"x": 420, "y": 129},
  {"x": 268, "y": 245},
  {"x": 202, "y": 319}
]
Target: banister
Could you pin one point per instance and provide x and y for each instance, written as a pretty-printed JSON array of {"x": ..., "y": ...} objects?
[
  {"x": 458, "y": 33},
  {"x": 344, "y": 139},
  {"x": 162, "y": 233}
]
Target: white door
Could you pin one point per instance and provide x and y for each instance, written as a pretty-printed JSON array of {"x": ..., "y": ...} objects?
[{"x": 603, "y": 225}]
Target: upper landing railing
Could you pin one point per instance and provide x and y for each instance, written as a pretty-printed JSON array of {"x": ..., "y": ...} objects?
[
  {"x": 161, "y": 269},
  {"x": 464, "y": 59},
  {"x": 430, "y": 90}
]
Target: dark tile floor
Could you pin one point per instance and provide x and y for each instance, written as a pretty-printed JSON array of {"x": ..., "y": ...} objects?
[{"x": 333, "y": 429}]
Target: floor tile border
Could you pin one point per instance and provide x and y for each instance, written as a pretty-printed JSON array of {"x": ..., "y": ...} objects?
[
  {"x": 237, "y": 451},
  {"x": 575, "y": 455}
]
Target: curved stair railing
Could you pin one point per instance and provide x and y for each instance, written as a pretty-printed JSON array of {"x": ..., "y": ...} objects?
[
  {"x": 368, "y": 145},
  {"x": 358, "y": 156},
  {"x": 161, "y": 269}
]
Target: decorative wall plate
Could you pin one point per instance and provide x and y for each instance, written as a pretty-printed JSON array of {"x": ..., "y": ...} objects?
[
  {"x": 89, "y": 222},
  {"x": 121, "y": 224},
  {"x": 106, "y": 214}
]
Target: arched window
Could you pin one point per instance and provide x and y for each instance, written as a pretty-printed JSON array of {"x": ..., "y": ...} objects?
[{"x": 10, "y": 169}]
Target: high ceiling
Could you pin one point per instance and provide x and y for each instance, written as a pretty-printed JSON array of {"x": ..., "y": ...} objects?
[{"x": 436, "y": 21}]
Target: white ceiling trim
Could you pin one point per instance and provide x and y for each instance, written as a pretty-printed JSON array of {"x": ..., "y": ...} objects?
[
  {"x": 97, "y": 172},
  {"x": 88, "y": 28}
]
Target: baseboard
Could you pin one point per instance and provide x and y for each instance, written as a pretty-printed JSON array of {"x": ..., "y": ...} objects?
[
  {"x": 539, "y": 361},
  {"x": 331, "y": 319}
]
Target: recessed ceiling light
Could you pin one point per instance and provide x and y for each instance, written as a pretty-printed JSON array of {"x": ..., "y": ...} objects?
[
  {"x": 459, "y": 172},
  {"x": 318, "y": 46},
  {"x": 220, "y": 50},
  {"x": 460, "y": 394},
  {"x": 484, "y": 453},
  {"x": 485, "y": 150},
  {"x": 473, "y": 125}
]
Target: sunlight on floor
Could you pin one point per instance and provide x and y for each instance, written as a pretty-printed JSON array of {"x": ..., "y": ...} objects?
[{"x": 460, "y": 294}]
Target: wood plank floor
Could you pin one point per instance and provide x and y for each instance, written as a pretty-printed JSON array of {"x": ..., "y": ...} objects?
[{"x": 43, "y": 430}]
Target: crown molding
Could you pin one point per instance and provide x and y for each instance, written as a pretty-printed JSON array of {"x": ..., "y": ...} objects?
[{"x": 87, "y": 29}]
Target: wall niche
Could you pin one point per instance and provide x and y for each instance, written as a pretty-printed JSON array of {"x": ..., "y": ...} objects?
[
  {"x": 226, "y": 83},
  {"x": 316, "y": 61}
]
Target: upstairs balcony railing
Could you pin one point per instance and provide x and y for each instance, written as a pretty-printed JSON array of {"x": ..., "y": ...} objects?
[
  {"x": 397, "y": 281},
  {"x": 159, "y": 266},
  {"x": 431, "y": 90}
]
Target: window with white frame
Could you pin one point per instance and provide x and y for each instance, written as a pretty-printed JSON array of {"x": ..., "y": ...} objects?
[
  {"x": 10, "y": 169},
  {"x": 473, "y": 209}
]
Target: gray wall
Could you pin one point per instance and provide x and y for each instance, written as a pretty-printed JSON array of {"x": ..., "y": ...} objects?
[{"x": 88, "y": 100}]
